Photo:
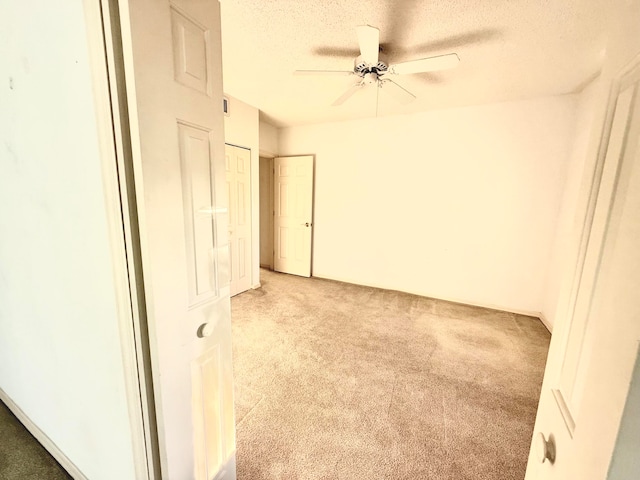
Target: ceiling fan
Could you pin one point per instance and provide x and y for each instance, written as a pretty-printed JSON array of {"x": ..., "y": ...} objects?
[{"x": 373, "y": 69}]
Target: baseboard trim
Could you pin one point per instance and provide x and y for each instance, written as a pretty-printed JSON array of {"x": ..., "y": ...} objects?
[
  {"x": 527, "y": 313},
  {"x": 228, "y": 470},
  {"x": 545, "y": 322},
  {"x": 42, "y": 437}
]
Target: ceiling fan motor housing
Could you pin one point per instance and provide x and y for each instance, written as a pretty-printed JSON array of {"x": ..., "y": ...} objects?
[
  {"x": 362, "y": 68},
  {"x": 373, "y": 68}
]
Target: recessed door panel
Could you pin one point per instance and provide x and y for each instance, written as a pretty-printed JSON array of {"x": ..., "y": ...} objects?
[
  {"x": 191, "y": 45},
  {"x": 207, "y": 407},
  {"x": 299, "y": 242},
  {"x": 283, "y": 246},
  {"x": 283, "y": 199},
  {"x": 242, "y": 264},
  {"x": 284, "y": 170},
  {"x": 241, "y": 194},
  {"x": 300, "y": 202},
  {"x": 195, "y": 167}
]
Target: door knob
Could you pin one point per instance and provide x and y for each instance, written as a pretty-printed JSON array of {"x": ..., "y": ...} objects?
[
  {"x": 307, "y": 224},
  {"x": 205, "y": 330},
  {"x": 545, "y": 449}
]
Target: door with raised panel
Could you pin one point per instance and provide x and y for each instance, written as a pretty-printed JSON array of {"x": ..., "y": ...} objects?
[
  {"x": 238, "y": 167},
  {"x": 592, "y": 357},
  {"x": 293, "y": 214},
  {"x": 174, "y": 86}
]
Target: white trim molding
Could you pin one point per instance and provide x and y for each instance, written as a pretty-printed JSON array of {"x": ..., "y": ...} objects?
[{"x": 101, "y": 57}]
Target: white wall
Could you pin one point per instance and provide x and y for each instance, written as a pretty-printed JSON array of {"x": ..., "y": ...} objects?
[
  {"x": 268, "y": 140},
  {"x": 561, "y": 258},
  {"x": 458, "y": 204},
  {"x": 60, "y": 350},
  {"x": 241, "y": 128}
]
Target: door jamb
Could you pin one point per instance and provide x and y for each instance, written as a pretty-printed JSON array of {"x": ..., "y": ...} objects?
[{"x": 109, "y": 91}]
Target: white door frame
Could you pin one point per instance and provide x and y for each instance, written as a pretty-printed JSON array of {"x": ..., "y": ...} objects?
[{"x": 105, "y": 56}]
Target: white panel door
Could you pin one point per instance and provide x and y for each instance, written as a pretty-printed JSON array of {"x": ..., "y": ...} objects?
[
  {"x": 293, "y": 214},
  {"x": 592, "y": 359},
  {"x": 173, "y": 67},
  {"x": 238, "y": 166}
]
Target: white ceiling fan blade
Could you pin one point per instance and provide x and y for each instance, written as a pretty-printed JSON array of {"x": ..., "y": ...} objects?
[
  {"x": 430, "y": 64},
  {"x": 398, "y": 92},
  {"x": 324, "y": 72},
  {"x": 346, "y": 95},
  {"x": 369, "y": 40}
]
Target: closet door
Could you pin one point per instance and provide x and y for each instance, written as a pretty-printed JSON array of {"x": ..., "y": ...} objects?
[
  {"x": 238, "y": 163},
  {"x": 592, "y": 359},
  {"x": 173, "y": 60}
]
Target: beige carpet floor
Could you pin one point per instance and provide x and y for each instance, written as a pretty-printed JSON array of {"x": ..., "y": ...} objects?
[{"x": 339, "y": 381}]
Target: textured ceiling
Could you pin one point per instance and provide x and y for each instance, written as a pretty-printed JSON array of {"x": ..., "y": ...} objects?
[{"x": 508, "y": 49}]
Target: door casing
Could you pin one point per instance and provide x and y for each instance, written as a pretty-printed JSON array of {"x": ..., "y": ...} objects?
[{"x": 105, "y": 56}]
